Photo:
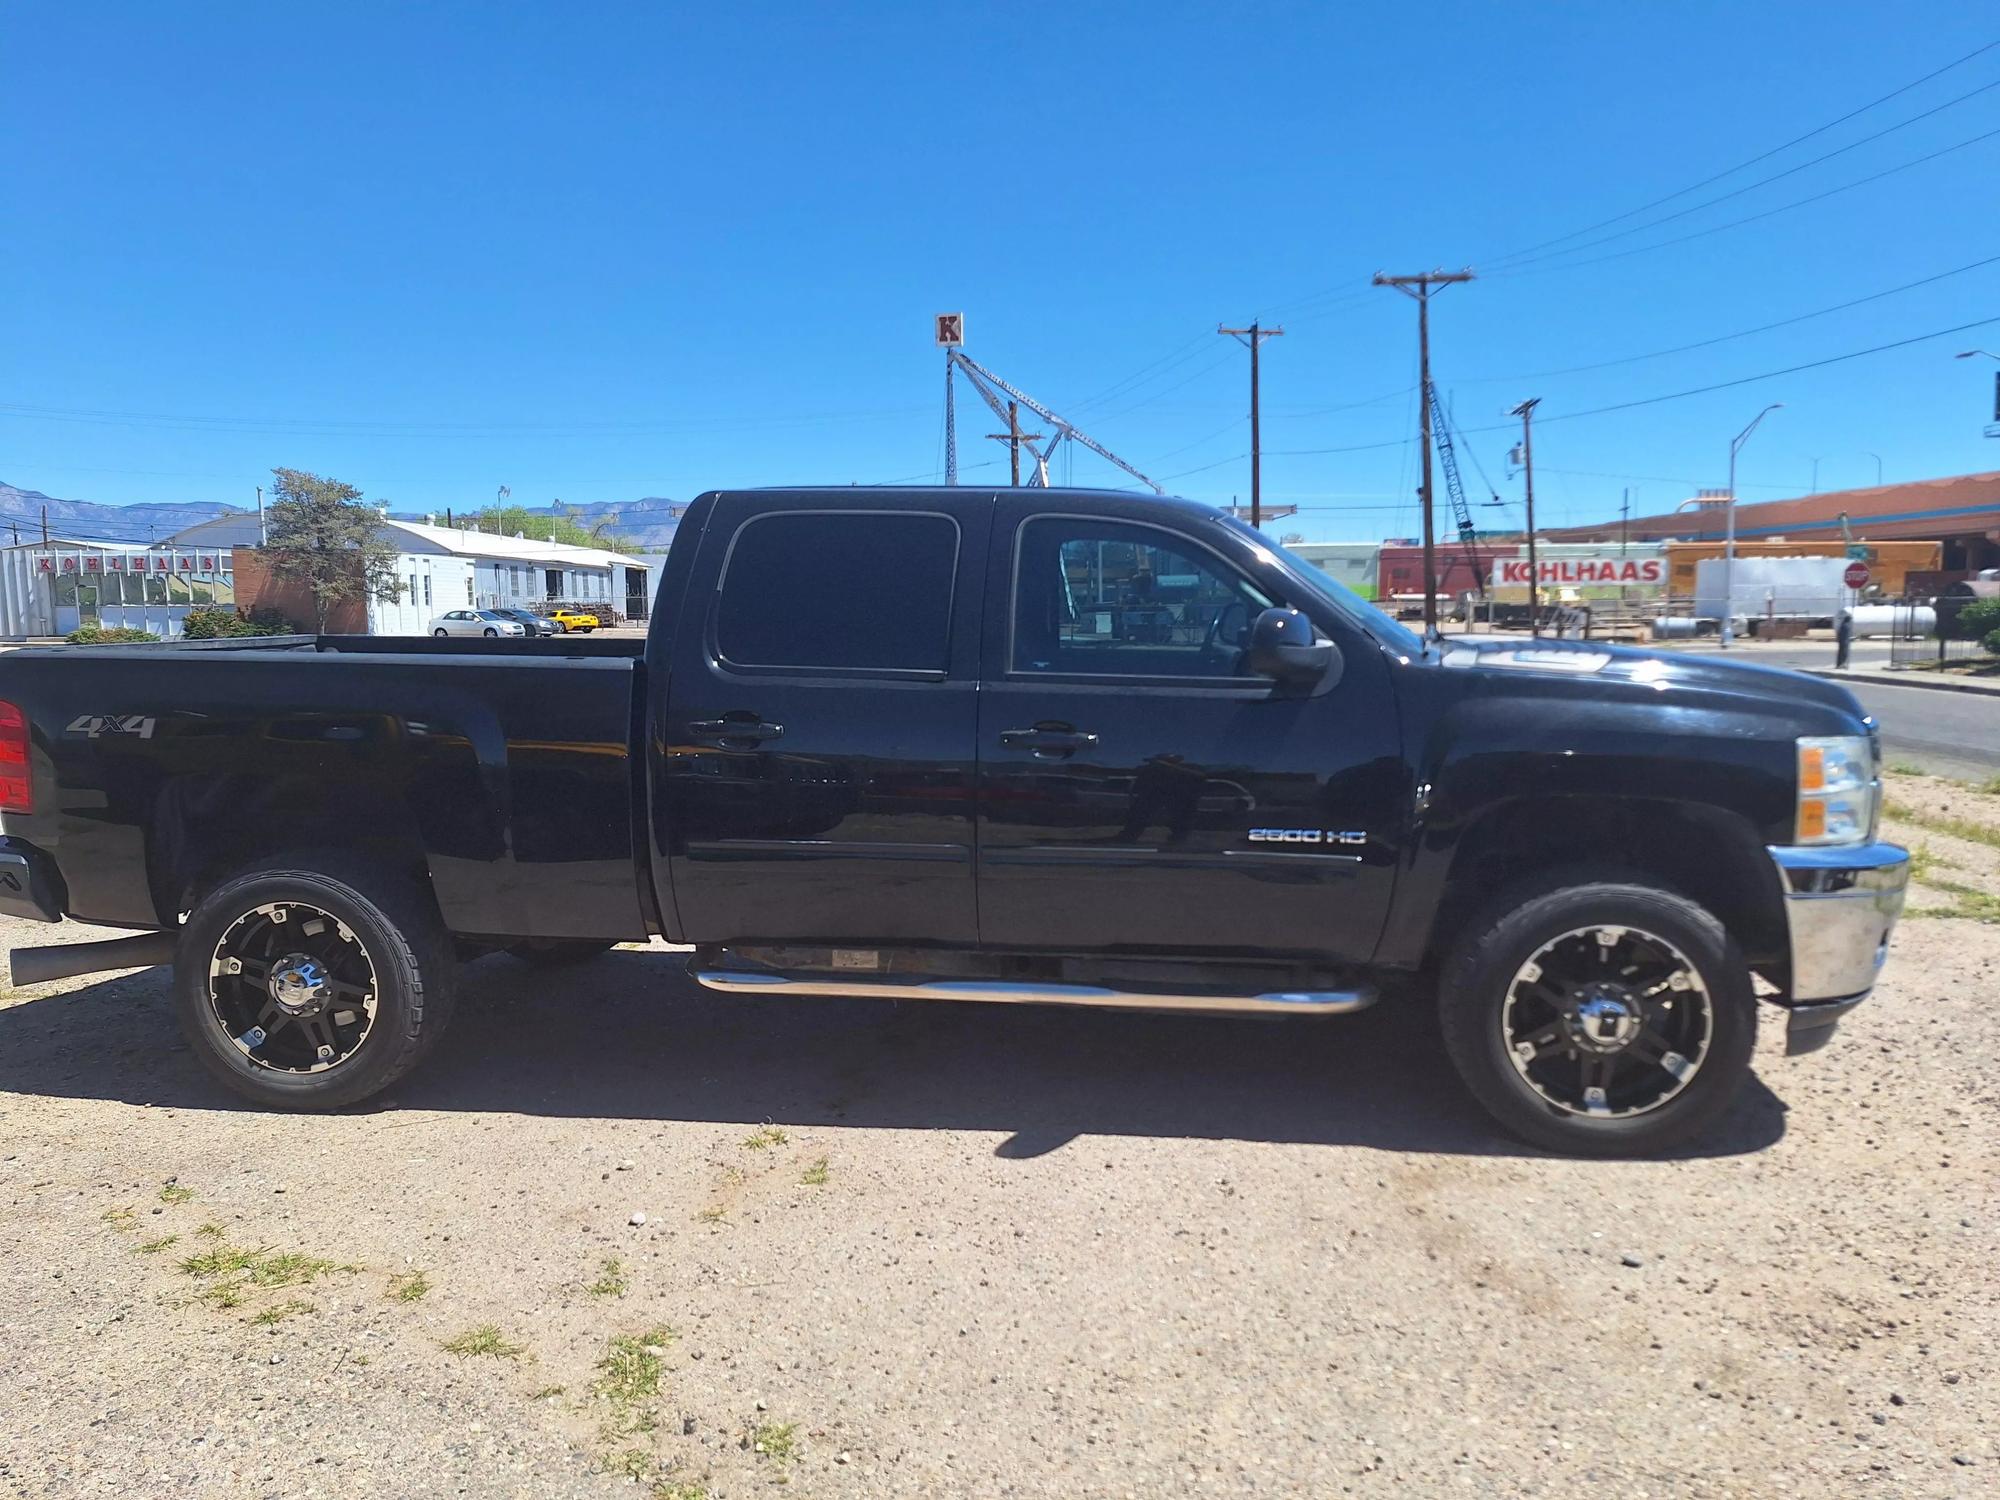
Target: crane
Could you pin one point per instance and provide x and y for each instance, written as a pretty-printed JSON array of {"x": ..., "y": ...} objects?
[
  {"x": 1460, "y": 511},
  {"x": 987, "y": 383}
]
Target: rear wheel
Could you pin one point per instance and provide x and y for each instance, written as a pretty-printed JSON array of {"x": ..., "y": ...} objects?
[
  {"x": 310, "y": 984},
  {"x": 440, "y": 634},
  {"x": 1601, "y": 1020}
]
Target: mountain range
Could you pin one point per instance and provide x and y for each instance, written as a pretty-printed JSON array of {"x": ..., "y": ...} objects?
[{"x": 644, "y": 525}]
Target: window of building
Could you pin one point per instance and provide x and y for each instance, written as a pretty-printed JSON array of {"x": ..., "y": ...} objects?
[
  {"x": 427, "y": 591},
  {"x": 839, "y": 589},
  {"x": 1102, "y": 599}
]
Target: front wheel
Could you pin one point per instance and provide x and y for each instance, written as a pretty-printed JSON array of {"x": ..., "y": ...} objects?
[
  {"x": 490, "y": 633},
  {"x": 1601, "y": 1019},
  {"x": 307, "y": 983}
]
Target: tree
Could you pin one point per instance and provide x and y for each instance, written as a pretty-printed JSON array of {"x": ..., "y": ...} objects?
[
  {"x": 323, "y": 538},
  {"x": 505, "y": 520}
]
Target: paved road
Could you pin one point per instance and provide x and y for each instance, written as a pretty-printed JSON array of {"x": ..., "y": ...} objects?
[
  {"x": 1951, "y": 734},
  {"x": 1947, "y": 734}
]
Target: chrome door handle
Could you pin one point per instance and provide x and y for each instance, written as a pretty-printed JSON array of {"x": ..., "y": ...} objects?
[
  {"x": 1048, "y": 739},
  {"x": 747, "y": 728}
]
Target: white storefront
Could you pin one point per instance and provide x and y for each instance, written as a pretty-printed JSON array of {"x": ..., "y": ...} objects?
[{"x": 52, "y": 588}]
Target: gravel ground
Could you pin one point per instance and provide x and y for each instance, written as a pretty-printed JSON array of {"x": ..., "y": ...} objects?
[{"x": 992, "y": 1252}]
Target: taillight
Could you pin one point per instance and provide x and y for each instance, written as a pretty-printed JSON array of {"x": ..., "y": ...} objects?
[{"x": 17, "y": 780}]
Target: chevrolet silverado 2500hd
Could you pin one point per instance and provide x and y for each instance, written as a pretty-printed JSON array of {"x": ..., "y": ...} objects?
[{"x": 1036, "y": 745}]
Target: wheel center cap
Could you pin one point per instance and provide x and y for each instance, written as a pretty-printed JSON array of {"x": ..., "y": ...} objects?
[
  {"x": 1604, "y": 1022},
  {"x": 298, "y": 983}
]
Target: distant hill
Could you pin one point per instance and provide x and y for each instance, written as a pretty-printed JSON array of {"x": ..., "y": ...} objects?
[
  {"x": 87, "y": 520},
  {"x": 644, "y": 525}
]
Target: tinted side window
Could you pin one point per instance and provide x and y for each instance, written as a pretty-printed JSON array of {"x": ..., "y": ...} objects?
[
  {"x": 839, "y": 589},
  {"x": 1106, "y": 599}
]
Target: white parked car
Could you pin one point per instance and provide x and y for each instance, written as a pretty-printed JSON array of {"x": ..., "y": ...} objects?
[{"x": 476, "y": 622}]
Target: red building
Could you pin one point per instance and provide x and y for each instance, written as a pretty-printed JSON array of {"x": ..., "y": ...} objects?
[
  {"x": 1962, "y": 512},
  {"x": 1401, "y": 568}
]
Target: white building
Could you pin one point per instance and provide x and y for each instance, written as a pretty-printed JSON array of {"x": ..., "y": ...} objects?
[
  {"x": 51, "y": 588},
  {"x": 448, "y": 567}
]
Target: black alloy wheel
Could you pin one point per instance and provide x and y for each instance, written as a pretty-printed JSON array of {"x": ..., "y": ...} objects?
[{"x": 1603, "y": 1019}]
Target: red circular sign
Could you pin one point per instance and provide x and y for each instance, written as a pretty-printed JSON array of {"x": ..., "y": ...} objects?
[{"x": 1856, "y": 576}]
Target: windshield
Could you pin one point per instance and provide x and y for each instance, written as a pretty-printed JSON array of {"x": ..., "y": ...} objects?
[{"x": 1391, "y": 633}]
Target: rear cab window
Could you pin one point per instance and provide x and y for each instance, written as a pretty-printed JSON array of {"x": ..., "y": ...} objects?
[{"x": 838, "y": 591}]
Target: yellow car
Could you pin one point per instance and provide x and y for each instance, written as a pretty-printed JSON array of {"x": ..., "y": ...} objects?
[{"x": 571, "y": 619}]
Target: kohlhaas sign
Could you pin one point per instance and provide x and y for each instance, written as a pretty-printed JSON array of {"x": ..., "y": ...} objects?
[{"x": 1583, "y": 572}]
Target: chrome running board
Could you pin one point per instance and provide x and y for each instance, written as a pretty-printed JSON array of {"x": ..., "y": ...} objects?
[{"x": 1288, "y": 1002}]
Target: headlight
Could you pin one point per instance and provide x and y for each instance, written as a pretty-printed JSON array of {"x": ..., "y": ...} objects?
[{"x": 1837, "y": 789}]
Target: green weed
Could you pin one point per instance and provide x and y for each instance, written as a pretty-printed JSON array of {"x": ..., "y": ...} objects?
[
  {"x": 153, "y": 1247},
  {"x": 281, "y": 1312},
  {"x": 611, "y": 1279},
  {"x": 173, "y": 1192},
  {"x": 631, "y": 1368},
  {"x": 776, "y": 1441},
  {"x": 1958, "y": 828},
  {"x": 407, "y": 1286},
  {"x": 816, "y": 1174},
  {"x": 764, "y": 1137},
  {"x": 484, "y": 1339}
]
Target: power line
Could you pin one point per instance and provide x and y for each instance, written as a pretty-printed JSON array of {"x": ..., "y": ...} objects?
[
  {"x": 1214, "y": 364},
  {"x": 1180, "y": 356},
  {"x": 1771, "y": 375},
  {"x": 1700, "y": 390},
  {"x": 1800, "y": 140},
  {"x": 1725, "y": 338},
  {"x": 1753, "y": 218},
  {"x": 331, "y": 427},
  {"x": 1681, "y": 213}
]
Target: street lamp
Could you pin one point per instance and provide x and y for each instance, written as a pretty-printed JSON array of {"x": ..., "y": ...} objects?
[
  {"x": 1729, "y": 546},
  {"x": 1878, "y": 467},
  {"x": 1974, "y": 353}
]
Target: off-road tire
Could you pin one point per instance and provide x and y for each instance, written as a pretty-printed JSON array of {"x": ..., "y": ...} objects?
[
  {"x": 394, "y": 922},
  {"x": 1478, "y": 971}
]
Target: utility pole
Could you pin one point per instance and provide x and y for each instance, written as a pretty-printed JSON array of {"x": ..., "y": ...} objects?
[
  {"x": 1419, "y": 287},
  {"x": 1624, "y": 517},
  {"x": 1526, "y": 412},
  {"x": 262, "y": 537},
  {"x": 45, "y": 526},
  {"x": 1013, "y": 437},
  {"x": 1252, "y": 336},
  {"x": 950, "y": 425},
  {"x": 1728, "y": 633}
]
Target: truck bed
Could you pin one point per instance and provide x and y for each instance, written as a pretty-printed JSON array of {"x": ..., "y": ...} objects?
[{"x": 500, "y": 772}]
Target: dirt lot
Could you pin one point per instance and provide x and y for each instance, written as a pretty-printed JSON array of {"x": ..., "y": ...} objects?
[{"x": 936, "y": 1250}]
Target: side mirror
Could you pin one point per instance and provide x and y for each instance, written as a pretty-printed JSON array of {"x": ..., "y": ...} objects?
[{"x": 1282, "y": 646}]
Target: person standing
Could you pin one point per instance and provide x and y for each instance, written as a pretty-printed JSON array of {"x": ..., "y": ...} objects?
[{"x": 1843, "y": 638}]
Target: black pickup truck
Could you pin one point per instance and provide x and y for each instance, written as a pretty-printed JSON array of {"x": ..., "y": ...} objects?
[{"x": 1039, "y": 745}]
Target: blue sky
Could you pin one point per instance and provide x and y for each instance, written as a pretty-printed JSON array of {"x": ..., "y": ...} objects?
[{"x": 603, "y": 251}]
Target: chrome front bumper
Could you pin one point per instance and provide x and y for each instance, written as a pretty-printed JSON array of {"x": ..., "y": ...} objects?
[{"x": 1841, "y": 904}]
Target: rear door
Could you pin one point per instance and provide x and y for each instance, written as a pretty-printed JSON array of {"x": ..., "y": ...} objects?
[
  {"x": 818, "y": 733},
  {"x": 1139, "y": 789}
]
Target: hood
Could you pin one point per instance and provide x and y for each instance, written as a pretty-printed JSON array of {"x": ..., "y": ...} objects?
[{"x": 1660, "y": 670}]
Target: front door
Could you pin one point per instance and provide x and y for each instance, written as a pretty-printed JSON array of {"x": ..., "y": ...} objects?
[
  {"x": 1139, "y": 789},
  {"x": 818, "y": 729}
]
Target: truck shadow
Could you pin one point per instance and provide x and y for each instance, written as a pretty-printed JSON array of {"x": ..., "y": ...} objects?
[{"x": 628, "y": 1036}]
